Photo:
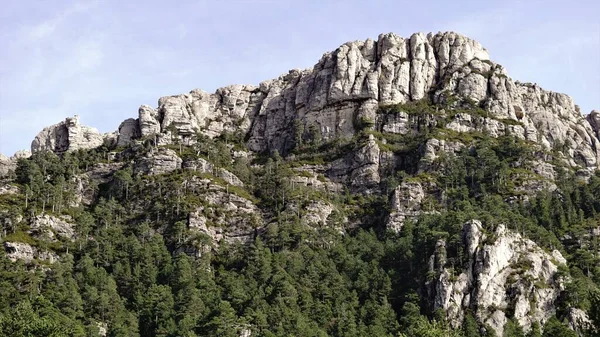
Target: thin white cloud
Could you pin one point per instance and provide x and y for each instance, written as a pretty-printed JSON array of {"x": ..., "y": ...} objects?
[
  {"x": 46, "y": 28},
  {"x": 87, "y": 55},
  {"x": 182, "y": 31}
]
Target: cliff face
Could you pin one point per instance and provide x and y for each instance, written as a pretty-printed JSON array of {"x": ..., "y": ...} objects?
[
  {"x": 348, "y": 85},
  {"x": 505, "y": 273}
]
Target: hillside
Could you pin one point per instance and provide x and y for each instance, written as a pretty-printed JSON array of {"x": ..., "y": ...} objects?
[{"x": 400, "y": 187}]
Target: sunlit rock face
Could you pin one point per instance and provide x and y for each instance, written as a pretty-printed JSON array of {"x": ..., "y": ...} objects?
[
  {"x": 68, "y": 135},
  {"x": 348, "y": 85},
  {"x": 504, "y": 273}
]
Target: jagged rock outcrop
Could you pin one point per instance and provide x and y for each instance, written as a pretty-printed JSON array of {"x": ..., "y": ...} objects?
[
  {"x": 27, "y": 253},
  {"x": 87, "y": 183},
  {"x": 21, "y": 154},
  {"x": 229, "y": 109},
  {"x": 8, "y": 165},
  {"x": 128, "y": 131},
  {"x": 579, "y": 321},
  {"x": 317, "y": 212},
  {"x": 158, "y": 161},
  {"x": 359, "y": 168},
  {"x": 405, "y": 204},
  {"x": 67, "y": 135},
  {"x": 594, "y": 119},
  {"x": 48, "y": 227},
  {"x": 434, "y": 148},
  {"x": 313, "y": 176},
  {"x": 347, "y": 86},
  {"x": 202, "y": 165},
  {"x": 148, "y": 119},
  {"x": 504, "y": 273},
  {"x": 226, "y": 216},
  {"x": 8, "y": 189}
]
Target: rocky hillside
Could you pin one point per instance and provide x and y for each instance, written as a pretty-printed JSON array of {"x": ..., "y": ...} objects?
[{"x": 398, "y": 187}]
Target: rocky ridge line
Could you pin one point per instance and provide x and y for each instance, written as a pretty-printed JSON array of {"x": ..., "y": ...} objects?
[{"x": 348, "y": 85}]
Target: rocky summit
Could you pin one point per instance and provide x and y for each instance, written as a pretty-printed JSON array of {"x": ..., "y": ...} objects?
[
  {"x": 350, "y": 84},
  {"x": 399, "y": 187}
]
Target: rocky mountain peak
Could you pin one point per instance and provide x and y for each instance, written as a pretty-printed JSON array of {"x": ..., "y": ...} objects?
[
  {"x": 66, "y": 136},
  {"x": 362, "y": 176},
  {"x": 350, "y": 84}
]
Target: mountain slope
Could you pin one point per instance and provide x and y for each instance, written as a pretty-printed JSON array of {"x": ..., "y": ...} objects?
[{"x": 399, "y": 187}]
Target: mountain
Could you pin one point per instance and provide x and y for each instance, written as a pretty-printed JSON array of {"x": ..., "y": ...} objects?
[{"x": 400, "y": 187}]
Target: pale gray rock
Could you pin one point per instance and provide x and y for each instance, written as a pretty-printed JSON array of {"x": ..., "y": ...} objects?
[
  {"x": 358, "y": 169},
  {"x": 7, "y": 165},
  {"x": 546, "y": 171},
  {"x": 462, "y": 123},
  {"x": 397, "y": 123},
  {"x": 158, "y": 161},
  {"x": 128, "y": 131},
  {"x": 434, "y": 148},
  {"x": 405, "y": 204},
  {"x": 148, "y": 120},
  {"x": 348, "y": 85},
  {"x": 87, "y": 183},
  {"x": 365, "y": 168},
  {"x": 110, "y": 139},
  {"x": 27, "y": 253},
  {"x": 22, "y": 154},
  {"x": 245, "y": 332},
  {"x": 316, "y": 213},
  {"x": 227, "y": 110},
  {"x": 8, "y": 189},
  {"x": 504, "y": 270},
  {"x": 423, "y": 66},
  {"x": 550, "y": 119},
  {"x": 65, "y": 136},
  {"x": 202, "y": 165},
  {"x": 229, "y": 217},
  {"x": 466, "y": 123},
  {"x": 47, "y": 226},
  {"x": 313, "y": 176},
  {"x": 579, "y": 321},
  {"x": 594, "y": 119},
  {"x": 102, "y": 328}
]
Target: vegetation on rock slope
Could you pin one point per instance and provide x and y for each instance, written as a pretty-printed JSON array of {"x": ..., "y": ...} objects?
[{"x": 136, "y": 268}]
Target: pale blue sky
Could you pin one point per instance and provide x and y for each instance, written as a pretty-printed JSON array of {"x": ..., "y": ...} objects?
[{"x": 103, "y": 59}]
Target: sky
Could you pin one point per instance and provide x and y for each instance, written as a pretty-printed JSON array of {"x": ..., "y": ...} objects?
[{"x": 103, "y": 59}]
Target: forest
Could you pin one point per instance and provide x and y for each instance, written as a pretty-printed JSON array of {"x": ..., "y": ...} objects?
[{"x": 128, "y": 271}]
